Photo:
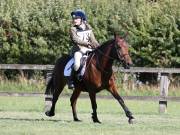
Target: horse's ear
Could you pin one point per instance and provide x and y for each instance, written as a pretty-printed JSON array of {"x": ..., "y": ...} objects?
[
  {"x": 115, "y": 35},
  {"x": 125, "y": 36}
]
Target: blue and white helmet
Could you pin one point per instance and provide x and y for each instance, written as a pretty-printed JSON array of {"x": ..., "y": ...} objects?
[{"x": 79, "y": 14}]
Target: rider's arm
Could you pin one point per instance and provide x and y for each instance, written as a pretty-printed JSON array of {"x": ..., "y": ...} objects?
[
  {"x": 94, "y": 42},
  {"x": 76, "y": 39}
]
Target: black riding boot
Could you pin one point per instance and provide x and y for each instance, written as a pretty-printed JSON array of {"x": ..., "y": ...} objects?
[{"x": 70, "y": 81}]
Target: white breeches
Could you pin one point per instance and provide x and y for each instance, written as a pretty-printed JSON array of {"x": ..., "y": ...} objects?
[{"x": 77, "y": 57}]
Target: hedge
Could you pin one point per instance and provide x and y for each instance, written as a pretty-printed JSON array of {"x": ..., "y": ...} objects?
[{"x": 37, "y": 31}]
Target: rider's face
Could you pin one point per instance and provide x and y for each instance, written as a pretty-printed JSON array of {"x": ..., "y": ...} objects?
[{"x": 77, "y": 21}]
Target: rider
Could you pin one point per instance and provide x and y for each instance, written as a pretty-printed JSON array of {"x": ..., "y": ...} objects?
[{"x": 83, "y": 38}]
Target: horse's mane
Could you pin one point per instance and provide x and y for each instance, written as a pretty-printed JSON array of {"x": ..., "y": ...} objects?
[{"x": 104, "y": 44}]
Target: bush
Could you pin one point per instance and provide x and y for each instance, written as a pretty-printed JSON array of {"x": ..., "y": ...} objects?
[{"x": 37, "y": 31}]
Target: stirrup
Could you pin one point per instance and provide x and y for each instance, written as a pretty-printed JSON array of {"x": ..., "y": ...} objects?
[
  {"x": 79, "y": 77},
  {"x": 70, "y": 83},
  {"x": 71, "y": 86}
]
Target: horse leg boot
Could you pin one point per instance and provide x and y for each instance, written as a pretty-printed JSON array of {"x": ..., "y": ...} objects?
[
  {"x": 125, "y": 108},
  {"x": 94, "y": 107},
  {"x": 51, "y": 112},
  {"x": 70, "y": 81},
  {"x": 113, "y": 90},
  {"x": 127, "y": 112}
]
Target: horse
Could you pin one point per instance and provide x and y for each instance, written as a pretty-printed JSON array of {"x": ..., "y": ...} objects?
[{"x": 98, "y": 76}]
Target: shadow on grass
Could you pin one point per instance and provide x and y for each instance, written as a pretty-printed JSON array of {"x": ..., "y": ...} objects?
[{"x": 42, "y": 119}]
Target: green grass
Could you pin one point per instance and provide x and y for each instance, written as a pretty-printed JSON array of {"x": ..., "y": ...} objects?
[{"x": 25, "y": 116}]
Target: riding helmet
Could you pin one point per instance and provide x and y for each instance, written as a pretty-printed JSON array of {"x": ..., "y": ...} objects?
[{"x": 79, "y": 14}]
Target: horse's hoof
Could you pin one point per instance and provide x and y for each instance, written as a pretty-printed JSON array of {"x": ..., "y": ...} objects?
[
  {"x": 50, "y": 114},
  {"x": 96, "y": 121},
  {"x": 77, "y": 120},
  {"x": 131, "y": 121}
]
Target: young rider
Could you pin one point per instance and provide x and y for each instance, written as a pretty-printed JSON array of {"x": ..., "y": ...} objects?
[{"x": 83, "y": 38}]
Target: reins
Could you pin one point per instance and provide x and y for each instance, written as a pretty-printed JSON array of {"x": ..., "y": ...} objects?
[
  {"x": 97, "y": 58},
  {"x": 107, "y": 56}
]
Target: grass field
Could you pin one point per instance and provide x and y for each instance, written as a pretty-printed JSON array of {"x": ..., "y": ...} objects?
[{"x": 25, "y": 116}]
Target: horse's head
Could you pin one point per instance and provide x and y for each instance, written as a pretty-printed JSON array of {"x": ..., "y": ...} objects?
[{"x": 122, "y": 51}]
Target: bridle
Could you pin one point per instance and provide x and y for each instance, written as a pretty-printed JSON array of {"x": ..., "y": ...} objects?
[{"x": 121, "y": 57}]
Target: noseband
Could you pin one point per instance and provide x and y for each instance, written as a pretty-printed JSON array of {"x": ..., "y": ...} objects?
[{"x": 121, "y": 57}]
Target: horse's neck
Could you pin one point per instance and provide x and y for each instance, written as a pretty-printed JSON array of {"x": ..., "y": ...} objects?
[{"x": 104, "y": 56}]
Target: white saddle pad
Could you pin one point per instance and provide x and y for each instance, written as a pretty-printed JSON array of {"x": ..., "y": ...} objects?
[{"x": 69, "y": 66}]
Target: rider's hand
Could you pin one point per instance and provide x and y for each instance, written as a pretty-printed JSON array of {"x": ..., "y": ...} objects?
[
  {"x": 93, "y": 46},
  {"x": 90, "y": 45}
]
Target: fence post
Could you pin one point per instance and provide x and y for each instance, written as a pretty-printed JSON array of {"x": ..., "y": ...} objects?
[
  {"x": 125, "y": 81},
  {"x": 134, "y": 81},
  {"x": 164, "y": 85}
]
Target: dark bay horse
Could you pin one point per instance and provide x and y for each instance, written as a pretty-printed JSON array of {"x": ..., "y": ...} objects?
[{"x": 98, "y": 76}]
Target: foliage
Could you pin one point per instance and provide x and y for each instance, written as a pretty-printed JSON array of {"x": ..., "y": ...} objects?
[{"x": 37, "y": 31}]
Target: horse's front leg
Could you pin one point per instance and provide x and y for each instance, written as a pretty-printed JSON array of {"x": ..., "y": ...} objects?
[
  {"x": 113, "y": 90},
  {"x": 94, "y": 107},
  {"x": 73, "y": 100}
]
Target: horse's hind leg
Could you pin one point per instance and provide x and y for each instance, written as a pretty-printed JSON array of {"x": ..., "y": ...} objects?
[
  {"x": 94, "y": 107},
  {"x": 57, "y": 91},
  {"x": 73, "y": 100}
]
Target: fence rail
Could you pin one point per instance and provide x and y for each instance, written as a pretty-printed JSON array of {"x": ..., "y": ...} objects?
[
  {"x": 26, "y": 67},
  {"x": 163, "y": 72},
  {"x": 120, "y": 69}
]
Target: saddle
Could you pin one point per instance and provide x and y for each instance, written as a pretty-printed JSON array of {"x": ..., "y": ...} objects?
[{"x": 69, "y": 66}]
